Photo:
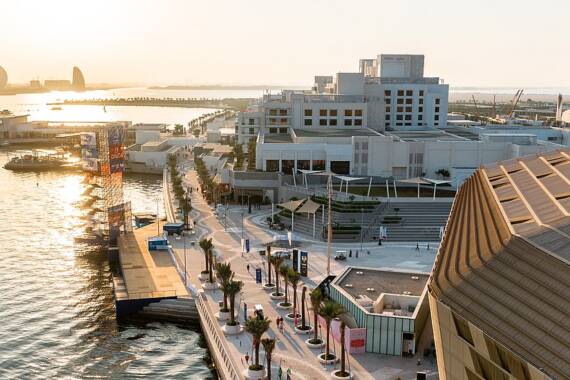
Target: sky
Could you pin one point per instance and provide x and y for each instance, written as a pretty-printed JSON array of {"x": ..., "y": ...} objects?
[{"x": 238, "y": 42}]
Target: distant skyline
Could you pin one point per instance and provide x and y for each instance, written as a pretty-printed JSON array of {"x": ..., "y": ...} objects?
[{"x": 181, "y": 42}]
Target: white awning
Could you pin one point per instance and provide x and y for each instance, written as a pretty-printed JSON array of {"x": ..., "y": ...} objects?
[
  {"x": 309, "y": 207},
  {"x": 348, "y": 179},
  {"x": 436, "y": 181},
  {"x": 415, "y": 181},
  {"x": 291, "y": 205}
]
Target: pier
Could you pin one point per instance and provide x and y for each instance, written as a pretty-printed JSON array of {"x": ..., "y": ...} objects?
[{"x": 145, "y": 276}]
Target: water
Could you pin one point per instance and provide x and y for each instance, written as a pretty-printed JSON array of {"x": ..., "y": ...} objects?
[
  {"x": 56, "y": 305},
  {"x": 36, "y": 105}
]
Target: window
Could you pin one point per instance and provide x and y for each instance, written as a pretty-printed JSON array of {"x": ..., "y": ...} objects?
[
  {"x": 420, "y": 117},
  {"x": 400, "y": 109},
  {"x": 282, "y": 121},
  {"x": 421, "y": 101},
  {"x": 287, "y": 166},
  {"x": 322, "y": 122},
  {"x": 272, "y": 121},
  {"x": 273, "y": 112},
  {"x": 323, "y": 113},
  {"x": 333, "y": 122},
  {"x": 272, "y": 130},
  {"x": 271, "y": 165},
  {"x": 387, "y": 117},
  {"x": 421, "y": 109},
  {"x": 282, "y": 112},
  {"x": 340, "y": 167},
  {"x": 387, "y": 100},
  {"x": 408, "y": 109},
  {"x": 386, "y": 124},
  {"x": 308, "y": 122},
  {"x": 308, "y": 112},
  {"x": 348, "y": 113},
  {"x": 400, "y": 92},
  {"x": 333, "y": 113},
  {"x": 400, "y": 101},
  {"x": 421, "y": 92},
  {"x": 398, "y": 124},
  {"x": 437, "y": 101},
  {"x": 399, "y": 117},
  {"x": 408, "y": 117},
  {"x": 409, "y": 93},
  {"x": 358, "y": 122},
  {"x": 387, "y": 92},
  {"x": 409, "y": 101},
  {"x": 408, "y": 124},
  {"x": 358, "y": 113},
  {"x": 303, "y": 164},
  {"x": 251, "y": 131},
  {"x": 387, "y": 109},
  {"x": 251, "y": 121},
  {"x": 318, "y": 164},
  {"x": 436, "y": 117},
  {"x": 348, "y": 122},
  {"x": 436, "y": 109},
  {"x": 282, "y": 130}
]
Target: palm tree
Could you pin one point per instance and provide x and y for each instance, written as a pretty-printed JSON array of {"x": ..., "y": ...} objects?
[
  {"x": 211, "y": 262},
  {"x": 186, "y": 208},
  {"x": 224, "y": 274},
  {"x": 284, "y": 270},
  {"x": 277, "y": 261},
  {"x": 303, "y": 324},
  {"x": 233, "y": 288},
  {"x": 269, "y": 266},
  {"x": 342, "y": 351},
  {"x": 206, "y": 245},
  {"x": 256, "y": 327},
  {"x": 294, "y": 278},
  {"x": 329, "y": 311},
  {"x": 316, "y": 297},
  {"x": 268, "y": 345}
]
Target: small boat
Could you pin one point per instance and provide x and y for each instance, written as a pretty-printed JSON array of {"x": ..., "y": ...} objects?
[{"x": 36, "y": 162}]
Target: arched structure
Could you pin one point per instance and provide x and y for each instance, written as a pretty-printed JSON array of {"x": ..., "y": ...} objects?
[{"x": 3, "y": 77}]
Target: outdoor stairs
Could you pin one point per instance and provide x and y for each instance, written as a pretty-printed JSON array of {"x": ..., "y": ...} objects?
[
  {"x": 181, "y": 309},
  {"x": 414, "y": 221}
]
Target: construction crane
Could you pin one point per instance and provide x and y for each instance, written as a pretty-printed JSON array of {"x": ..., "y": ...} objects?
[
  {"x": 515, "y": 102},
  {"x": 494, "y": 107},
  {"x": 476, "y": 108}
]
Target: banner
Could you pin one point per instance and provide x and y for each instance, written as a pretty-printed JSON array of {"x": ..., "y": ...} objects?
[
  {"x": 89, "y": 152},
  {"x": 295, "y": 260},
  {"x": 88, "y": 139},
  {"x": 115, "y": 136},
  {"x": 117, "y": 165},
  {"x": 116, "y": 152},
  {"x": 354, "y": 339},
  {"x": 258, "y": 275},
  {"x": 304, "y": 265},
  {"x": 90, "y": 164}
]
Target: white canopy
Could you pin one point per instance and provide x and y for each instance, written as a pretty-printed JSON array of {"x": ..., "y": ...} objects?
[
  {"x": 291, "y": 205},
  {"x": 309, "y": 207}
]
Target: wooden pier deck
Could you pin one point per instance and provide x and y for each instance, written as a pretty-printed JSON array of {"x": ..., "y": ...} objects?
[{"x": 146, "y": 274}]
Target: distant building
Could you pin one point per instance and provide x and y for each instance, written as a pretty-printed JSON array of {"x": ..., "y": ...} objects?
[
  {"x": 78, "y": 81},
  {"x": 368, "y": 67},
  {"x": 499, "y": 291},
  {"x": 3, "y": 77},
  {"x": 321, "y": 83},
  {"x": 34, "y": 83},
  {"x": 401, "y": 66},
  {"x": 57, "y": 84}
]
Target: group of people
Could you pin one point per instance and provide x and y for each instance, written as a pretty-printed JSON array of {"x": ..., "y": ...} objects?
[
  {"x": 280, "y": 325},
  {"x": 288, "y": 373}
]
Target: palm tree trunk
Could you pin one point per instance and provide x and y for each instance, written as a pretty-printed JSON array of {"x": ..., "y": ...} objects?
[
  {"x": 268, "y": 268},
  {"x": 269, "y": 367},
  {"x": 211, "y": 270},
  {"x": 276, "y": 281},
  {"x": 257, "y": 351},
  {"x": 342, "y": 352},
  {"x": 315, "y": 321},
  {"x": 327, "y": 350},
  {"x": 303, "y": 307},
  {"x": 225, "y": 301},
  {"x": 294, "y": 301},
  {"x": 232, "y": 305}
]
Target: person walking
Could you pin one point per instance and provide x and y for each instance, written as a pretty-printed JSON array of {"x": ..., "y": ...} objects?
[
  {"x": 288, "y": 373},
  {"x": 247, "y": 266},
  {"x": 280, "y": 373},
  {"x": 247, "y": 358}
]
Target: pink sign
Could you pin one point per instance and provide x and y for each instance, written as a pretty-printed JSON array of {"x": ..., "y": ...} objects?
[{"x": 354, "y": 339}]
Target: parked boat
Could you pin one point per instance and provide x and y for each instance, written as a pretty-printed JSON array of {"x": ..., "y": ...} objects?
[{"x": 39, "y": 160}]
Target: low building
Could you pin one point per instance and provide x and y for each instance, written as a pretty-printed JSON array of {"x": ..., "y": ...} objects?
[
  {"x": 391, "y": 304},
  {"x": 499, "y": 289}
]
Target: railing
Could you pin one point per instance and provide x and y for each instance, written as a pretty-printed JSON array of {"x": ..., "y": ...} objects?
[
  {"x": 168, "y": 208},
  {"x": 226, "y": 366}
]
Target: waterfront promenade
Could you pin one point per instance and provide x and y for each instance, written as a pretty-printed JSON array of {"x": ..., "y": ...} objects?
[{"x": 291, "y": 351}]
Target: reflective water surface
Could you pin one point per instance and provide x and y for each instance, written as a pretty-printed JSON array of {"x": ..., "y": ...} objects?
[{"x": 57, "y": 317}]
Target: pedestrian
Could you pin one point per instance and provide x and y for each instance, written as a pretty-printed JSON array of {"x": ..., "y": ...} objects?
[
  {"x": 357, "y": 253},
  {"x": 427, "y": 247},
  {"x": 247, "y": 358},
  {"x": 280, "y": 373},
  {"x": 350, "y": 253},
  {"x": 288, "y": 373},
  {"x": 247, "y": 266},
  {"x": 277, "y": 322},
  {"x": 417, "y": 246}
]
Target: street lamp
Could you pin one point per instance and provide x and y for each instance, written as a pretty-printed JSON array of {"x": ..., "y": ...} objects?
[{"x": 183, "y": 236}]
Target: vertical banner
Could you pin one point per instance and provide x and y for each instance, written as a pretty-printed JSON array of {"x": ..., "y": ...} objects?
[
  {"x": 295, "y": 263},
  {"x": 304, "y": 263},
  {"x": 246, "y": 245},
  {"x": 258, "y": 275},
  {"x": 244, "y": 311},
  {"x": 242, "y": 242}
]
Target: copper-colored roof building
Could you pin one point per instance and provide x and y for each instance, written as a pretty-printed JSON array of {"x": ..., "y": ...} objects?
[{"x": 500, "y": 288}]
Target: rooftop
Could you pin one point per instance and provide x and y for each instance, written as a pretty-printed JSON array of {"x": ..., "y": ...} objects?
[
  {"x": 361, "y": 280},
  {"x": 426, "y": 134},
  {"x": 326, "y": 132},
  {"x": 277, "y": 138}
]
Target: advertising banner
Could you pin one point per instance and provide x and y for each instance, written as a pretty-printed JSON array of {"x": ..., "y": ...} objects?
[
  {"x": 116, "y": 152},
  {"x": 304, "y": 265},
  {"x": 89, "y": 152},
  {"x": 295, "y": 260},
  {"x": 117, "y": 165},
  {"x": 90, "y": 164},
  {"x": 115, "y": 136},
  {"x": 354, "y": 339},
  {"x": 88, "y": 139},
  {"x": 258, "y": 275},
  {"x": 247, "y": 245}
]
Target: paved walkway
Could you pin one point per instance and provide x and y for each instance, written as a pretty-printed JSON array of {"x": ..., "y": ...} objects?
[{"x": 291, "y": 351}]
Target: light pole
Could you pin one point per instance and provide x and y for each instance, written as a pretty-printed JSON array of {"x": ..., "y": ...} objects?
[{"x": 361, "y": 227}]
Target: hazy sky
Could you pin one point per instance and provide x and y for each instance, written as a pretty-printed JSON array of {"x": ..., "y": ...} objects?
[{"x": 480, "y": 43}]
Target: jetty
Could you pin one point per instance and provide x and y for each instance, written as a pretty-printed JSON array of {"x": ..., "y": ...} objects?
[{"x": 148, "y": 282}]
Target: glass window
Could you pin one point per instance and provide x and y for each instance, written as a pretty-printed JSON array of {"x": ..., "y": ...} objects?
[
  {"x": 421, "y": 101},
  {"x": 333, "y": 113},
  {"x": 308, "y": 112},
  {"x": 272, "y": 121},
  {"x": 323, "y": 112},
  {"x": 436, "y": 109},
  {"x": 348, "y": 113},
  {"x": 408, "y": 117},
  {"x": 272, "y": 130},
  {"x": 358, "y": 113},
  {"x": 282, "y": 130},
  {"x": 282, "y": 112},
  {"x": 408, "y": 109},
  {"x": 399, "y": 117},
  {"x": 348, "y": 122},
  {"x": 420, "y": 117},
  {"x": 251, "y": 121},
  {"x": 308, "y": 122},
  {"x": 400, "y": 101},
  {"x": 303, "y": 164},
  {"x": 273, "y": 112},
  {"x": 340, "y": 167},
  {"x": 387, "y": 117},
  {"x": 387, "y": 101},
  {"x": 318, "y": 165},
  {"x": 287, "y": 166},
  {"x": 272, "y": 165},
  {"x": 421, "y": 92},
  {"x": 400, "y": 109},
  {"x": 409, "y": 101},
  {"x": 400, "y": 92},
  {"x": 421, "y": 109},
  {"x": 333, "y": 122},
  {"x": 387, "y": 92},
  {"x": 409, "y": 93},
  {"x": 436, "y": 117},
  {"x": 358, "y": 122},
  {"x": 437, "y": 101},
  {"x": 251, "y": 131},
  {"x": 387, "y": 109},
  {"x": 282, "y": 121},
  {"x": 322, "y": 122}
]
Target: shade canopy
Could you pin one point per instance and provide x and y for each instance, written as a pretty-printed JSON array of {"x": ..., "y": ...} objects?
[
  {"x": 291, "y": 205},
  {"x": 348, "y": 179},
  {"x": 415, "y": 181},
  {"x": 310, "y": 207},
  {"x": 436, "y": 181}
]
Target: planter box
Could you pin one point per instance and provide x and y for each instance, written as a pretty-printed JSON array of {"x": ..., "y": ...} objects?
[
  {"x": 269, "y": 287},
  {"x": 273, "y": 296},
  {"x": 291, "y": 317},
  {"x": 334, "y": 376},
  {"x": 232, "y": 330},
  {"x": 303, "y": 332},
  {"x": 223, "y": 315},
  {"x": 210, "y": 285},
  {"x": 314, "y": 345},
  {"x": 281, "y": 305},
  {"x": 254, "y": 375},
  {"x": 321, "y": 359}
]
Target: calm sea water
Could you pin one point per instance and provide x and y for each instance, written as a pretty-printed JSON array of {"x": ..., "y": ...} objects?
[{"x": 57, "y": 317}]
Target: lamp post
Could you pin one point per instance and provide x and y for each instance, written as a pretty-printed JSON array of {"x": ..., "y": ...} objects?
[{"x": 361, "y": 227}]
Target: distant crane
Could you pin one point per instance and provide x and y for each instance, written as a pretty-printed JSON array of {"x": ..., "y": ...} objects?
[
  {"x": 476, "y": 108},
  {"x": 494, "y": 106},
  {"x": 515, "y": 102}
]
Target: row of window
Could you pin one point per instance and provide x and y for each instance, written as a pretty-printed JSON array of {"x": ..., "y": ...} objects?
[
  {"x": 288, "y": 166},
  {"x": 334, "y": 113},
  {"x": 402, "y": 92},
  {"x": 276, "y": 112},
  {"x": 334, "y": 122},
  {"x": 273, "y": 121}
]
